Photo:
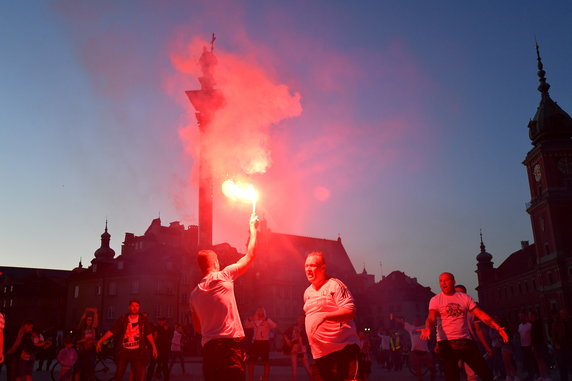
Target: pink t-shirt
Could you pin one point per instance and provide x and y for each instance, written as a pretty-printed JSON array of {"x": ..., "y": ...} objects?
[
  {"x": 331, "y": 336},
  {"x": 453, "y": 310},
  {"x": 214, "y": 303}
]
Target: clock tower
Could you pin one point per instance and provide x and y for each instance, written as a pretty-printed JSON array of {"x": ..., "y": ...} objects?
[{"x": 549, "y": 168}]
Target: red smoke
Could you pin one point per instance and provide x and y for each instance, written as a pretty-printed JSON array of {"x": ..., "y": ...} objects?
[{"x": 237, "y": 139}]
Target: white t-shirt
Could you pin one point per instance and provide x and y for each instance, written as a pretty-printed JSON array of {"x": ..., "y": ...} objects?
[
  {"x": 524, "y": 331},
  {"x": 261, "y": 327},
  {"x": 331, "y": 336},
  {"x": 453, "y": 310},
  {"x": 214, "y": 303},
  {"x": 2, "y": 322},
  {"x": 416, "y": 343},
  {"x": 176, "y": 341}
]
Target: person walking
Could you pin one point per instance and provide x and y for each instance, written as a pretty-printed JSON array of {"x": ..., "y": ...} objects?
[
  {"x": 133, "y": 334},
  {"x": 330, "y": 310}
]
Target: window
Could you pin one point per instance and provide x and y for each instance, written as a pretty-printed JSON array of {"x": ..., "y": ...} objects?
[
  {"x": 534, "y": 284},
  {"x": 135, "y": 286},
  {"x": 76, "y": 291},
  {"x": 157, "y": 309},
  {"x": 110, "y": 314},
  {"x": 112, "y": 289},
  {"x": 158, "y": 287},
  {"x": 170, "y": 287},
  {"x": 119, "y": 265},
  {"x": 169, "y": 310},
  {"x": 94, "y": 267},
  {"x": 98, "y": 289}
]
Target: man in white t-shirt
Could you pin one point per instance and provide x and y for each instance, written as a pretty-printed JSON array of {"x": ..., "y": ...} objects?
[
  {"x": 330, "y": 310},
  {"x": 454, "y": 341},
  {"x": 420, "y": 355},
  {"x": 215, "y": 313}
]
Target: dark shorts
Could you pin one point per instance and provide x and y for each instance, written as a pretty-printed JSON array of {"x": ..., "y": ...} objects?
[
  {"x": 337, "y": 366},
  {"x": 24, "y": 368},
  {"x": 259, "y": 348},
  {"x": 223, "y": 359}
]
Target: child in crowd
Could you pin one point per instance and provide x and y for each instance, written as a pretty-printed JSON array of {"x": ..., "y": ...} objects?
[{"x": 67, "y": 358}]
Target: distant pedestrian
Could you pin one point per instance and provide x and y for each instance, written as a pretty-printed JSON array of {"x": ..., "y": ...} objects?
[
  {"x": 331, "y": 330},
  {"x": 177, "y": 348},
  {"x": 420, "y": 355},
  {"x": 539, "y": 346},
  {"x": 160, "y": 365},
  {"x": 297, "y": 342},
  {"x": 477, "y": 335},
  {"x": 67, "y": 358},
  {"x": 454, "y": 341},
  {"x": 262, "y": 326},
  {"x": 2, "y": 325},
  {"x": 133, "y": 336},
  {"x": 87, "y": 335},
  {"x": 525, "y": 335},
  {"x": 396, "y": 351},
  {"x": 364, "y": 360},
  {"x": 24, "y": 350},
  {"x": 562, "y": 341}
]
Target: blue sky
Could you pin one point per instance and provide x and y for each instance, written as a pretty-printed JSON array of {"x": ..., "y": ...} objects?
[{"x": 414, "y": 117}]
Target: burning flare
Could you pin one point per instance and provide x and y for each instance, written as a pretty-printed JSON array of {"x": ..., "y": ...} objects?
[{"x": 240, "y": 191}]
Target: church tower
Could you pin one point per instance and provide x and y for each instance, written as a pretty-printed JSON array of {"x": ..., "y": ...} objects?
[{"x": 549, "y": 168}]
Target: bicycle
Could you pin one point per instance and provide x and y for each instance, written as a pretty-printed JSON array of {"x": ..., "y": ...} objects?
[{"x": 104, "y": 369}]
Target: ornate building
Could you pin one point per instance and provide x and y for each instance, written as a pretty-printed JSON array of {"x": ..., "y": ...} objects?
[{"x": 538, "y": 276}]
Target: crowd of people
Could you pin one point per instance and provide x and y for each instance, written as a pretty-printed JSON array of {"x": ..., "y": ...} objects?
[{"x": 456, "y": 337}]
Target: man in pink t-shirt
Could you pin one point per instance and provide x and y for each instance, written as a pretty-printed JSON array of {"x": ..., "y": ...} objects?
[
  {"x": 454, "y": 341},
  {"x": 330, "y": 310},
  {"x": 215, "y": 313}
]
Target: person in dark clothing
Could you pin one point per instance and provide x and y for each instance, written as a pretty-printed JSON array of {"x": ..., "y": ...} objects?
[
  {"x": 85, "y": 344},
  {"x": 562, "y": 341},
  {"x": 539, "y": 347},
  {"x": 132, "y": 332},
  {"x": 160, "y": 365},
  {"x": 24, "y": 350}
]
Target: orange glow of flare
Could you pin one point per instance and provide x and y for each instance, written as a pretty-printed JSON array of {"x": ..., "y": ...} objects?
[{"x": 240, "y": 192}]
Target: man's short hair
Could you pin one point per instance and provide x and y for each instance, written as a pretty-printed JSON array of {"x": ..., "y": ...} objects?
[
  {"x": 205, "y": 259},
  {"x": 317, "y": 254},
  {"x": 134, "y": 301}
]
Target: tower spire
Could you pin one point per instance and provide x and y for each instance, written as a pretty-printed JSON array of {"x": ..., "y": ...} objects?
[
  {"x": 482, "y": 244},
  {"x": 543, "y": 86}
]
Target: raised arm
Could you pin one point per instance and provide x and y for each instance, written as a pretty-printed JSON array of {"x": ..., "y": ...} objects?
[
  {"x": 107, "y": 335},
  {"x": 244, "y": 263},
  {"x": 485, "y": 318}
]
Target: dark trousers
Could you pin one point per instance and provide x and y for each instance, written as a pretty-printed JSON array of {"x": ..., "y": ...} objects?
[
  {"x": 137, "y": 358},
  {"x": 420, "y": 359},
  {"x": 337, "y": 366},
  {"x": 223, "y": 359},
  {"x": 528, "y": 362},
  {"x": 174, "y": 356},
  {"x": 564, "y": 362},
  {"x": 160, "y": 365},
  {"x": 451, "y": 351}
]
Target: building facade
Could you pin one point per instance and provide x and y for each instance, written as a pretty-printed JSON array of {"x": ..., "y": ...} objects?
[{"x": 538, "y": 277}]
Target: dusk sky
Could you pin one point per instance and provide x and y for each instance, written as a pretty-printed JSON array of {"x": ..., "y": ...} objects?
[{"x": 399, "y": 125}]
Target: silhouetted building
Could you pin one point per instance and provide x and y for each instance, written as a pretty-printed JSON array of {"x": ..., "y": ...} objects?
[
  {"x": 154, "y": 268},
  {"x": 537, "y": 277},
  {"x": 33, "y": 294},
  {"x": 160, "y": 270},
  {"x": 396, "y": 293}
]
